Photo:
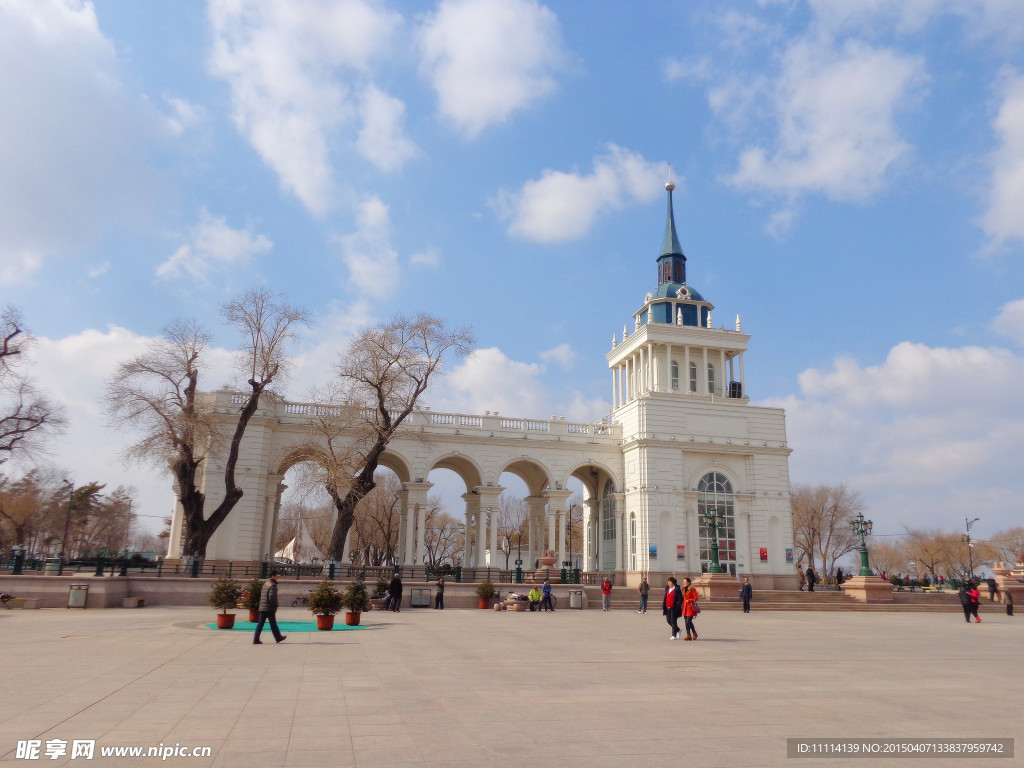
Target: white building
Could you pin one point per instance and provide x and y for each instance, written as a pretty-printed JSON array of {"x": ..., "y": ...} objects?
[{"x": 682, "y": 439}]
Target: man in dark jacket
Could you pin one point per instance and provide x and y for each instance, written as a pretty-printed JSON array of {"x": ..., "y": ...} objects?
[
  {"x": 672, "y": 605},
  {"x": 746, "y": 592},
  {"x": 395, "y": 589},
  {"x": 812, "y": 578},
  {"x": 268, "y": 610}
]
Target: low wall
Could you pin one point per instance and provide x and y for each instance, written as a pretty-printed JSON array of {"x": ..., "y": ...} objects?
[{"x": 110, "y": 591}]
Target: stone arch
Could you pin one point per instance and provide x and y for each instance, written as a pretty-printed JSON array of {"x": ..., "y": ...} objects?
[
  {"x": 593, "y": 475},
  {"x": 536, "y": 476},
  {"x": 463, "y": 466}
]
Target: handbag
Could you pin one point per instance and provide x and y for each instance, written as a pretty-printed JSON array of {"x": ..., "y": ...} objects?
[{"x": 696, "y": 608}]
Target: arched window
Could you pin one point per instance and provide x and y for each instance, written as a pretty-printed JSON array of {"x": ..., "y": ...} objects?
[
  {"x": 607, "y": 555},
  {"x": 714, "y": 492},
  {"x": 675, "y": 376},
  {"x": 693, "y": 377},
  {"x": 711, "y": 379},
  {"x": 677, "y": 271}
]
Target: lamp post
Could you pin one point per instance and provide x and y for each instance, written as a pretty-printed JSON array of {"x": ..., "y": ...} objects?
[
  {"x": 970, "y": 545},
  {"x": 862, "y": 528},
  {"x": 713, "y": 521},
  {"x": 67, "y": 524}
]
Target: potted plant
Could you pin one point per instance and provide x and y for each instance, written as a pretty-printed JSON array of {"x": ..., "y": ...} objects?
[
  {"x": 377, "y": 600},
  {"x": 324, "y": 602},
  {"x": 357, "y": 601},
  {"x": 251, "y": 598},
  {"x": 486, "y": 592},
  {"x": 224, "y": 594}
]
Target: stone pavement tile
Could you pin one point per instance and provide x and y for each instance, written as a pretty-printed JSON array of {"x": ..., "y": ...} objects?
[
  {"x": 305, "y": 758},
  {"x": 252, "y": 759},
  {"x": 384, "y": 754}
]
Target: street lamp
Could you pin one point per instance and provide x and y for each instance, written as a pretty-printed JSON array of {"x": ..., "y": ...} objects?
[
  {"x": 970, "y": 544},
  {"x": 713, "y": 521},
  {"x": 862, "y": 528}
]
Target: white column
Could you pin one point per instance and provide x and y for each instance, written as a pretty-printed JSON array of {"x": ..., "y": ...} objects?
[
  {"x": 560, "y": 536},
  {"x": 421, "y": 533},
  {"x": 591, "y": 514},
  {"x": 668, "y": 368},
  {"x": 615, "y": 391},
  {"x": 481, "y": 538},
  {"x": 685, "y": 374},
  {"x": 467, "y": 539},
  {"x": 703, "y": 377},
  {"x": 721, "y": 375},
  {"x": 551, "y": 530},
  {"x": 493, "y": 514},
  {"x": 743, "y": 378},
  {"x": 410, "y": 533}
]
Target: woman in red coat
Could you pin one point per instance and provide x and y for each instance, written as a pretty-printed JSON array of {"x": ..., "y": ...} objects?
[
  {"x": 690, "y": 598},
  {"x": 672, "y": 605}
]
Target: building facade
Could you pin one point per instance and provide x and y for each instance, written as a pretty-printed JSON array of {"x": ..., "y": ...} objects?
[{"x": 682, "y": 440}]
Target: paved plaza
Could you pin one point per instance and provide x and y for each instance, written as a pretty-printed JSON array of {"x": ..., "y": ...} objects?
[{"x": 479, "y": 688}]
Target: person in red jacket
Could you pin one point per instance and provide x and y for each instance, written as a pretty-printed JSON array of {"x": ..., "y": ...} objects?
[
  {"x": 606, "y": 594},
  {"x": 672, "y": 605},
  {"x": 690, "y": 609}
]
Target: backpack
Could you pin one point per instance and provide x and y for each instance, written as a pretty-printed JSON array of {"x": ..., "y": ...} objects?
[{"x": 965, "y": 599}]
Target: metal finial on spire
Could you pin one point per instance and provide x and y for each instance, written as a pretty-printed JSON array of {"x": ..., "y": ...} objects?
[{"x": 670, "y": 185}]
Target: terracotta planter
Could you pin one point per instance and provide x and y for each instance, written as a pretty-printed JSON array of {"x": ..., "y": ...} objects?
[
  {"x": 325, "y": 623},
  {"x": 225, "y": 620},
  {"x": 352, "y": 619},
  {"x": 484, "y": 603},
  {"x": 254, "y": 616}
]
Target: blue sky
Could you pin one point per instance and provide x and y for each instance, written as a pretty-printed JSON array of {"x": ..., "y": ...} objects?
[{"x": 850, "y": 177}]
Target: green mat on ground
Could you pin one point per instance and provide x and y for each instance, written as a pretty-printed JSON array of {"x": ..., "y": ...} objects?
[{"x": 286, "y": 627}]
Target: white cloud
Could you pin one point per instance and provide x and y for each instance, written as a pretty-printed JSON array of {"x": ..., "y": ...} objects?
[
  {"x": 490, "y": 380},
  {"x": 564, "y": 206},
  {"x": 835, "y": 112},
  {"x": 186, "y": 115},
  {"x": 429, "y": 257},
  {"x": 488, "y": 58},
  {"x": 97, "y": 270},
  {"x": 71, "y": 139},
  {"x": 381, "y": 140},
  {"x": 284, "y": 60},
  {"x": 1004, "y": 220},
  {"x": 368, "y": 254},
  {"x": 924, "y": 435},
  {"x": 563, "y": 355},
  {"x": 1010, "y": 321},
  {"x": 214, "y": 245},
  {"x": 693, "y": 70}
]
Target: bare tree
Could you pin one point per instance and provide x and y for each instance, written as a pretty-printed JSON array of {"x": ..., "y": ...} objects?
[
  {"x": 932, "y": 549},
  {"x": 886, "y": 556},
  {"x": 821, "y": 523},
  {"x": 1010, "y": 545},
  {"x": 513, "y": 530},
  {"x": 381, "y": 375},
  {"x": 443, "y": 537},
  {"x": 27, "y": 417},
  {"x": 375, "y": 529},
  {"x": 157, "y": 393}
]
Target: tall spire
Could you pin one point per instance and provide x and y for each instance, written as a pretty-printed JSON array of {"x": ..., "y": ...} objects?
[{"x": 670, "y": 245}]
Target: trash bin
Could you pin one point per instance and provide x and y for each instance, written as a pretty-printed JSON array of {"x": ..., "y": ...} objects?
[
  {"x": 419, "y": 597},
  {"x": 52, "y": 568},
  {"x": 576, "y": 598},
  {"x": 78, "y": 595}
]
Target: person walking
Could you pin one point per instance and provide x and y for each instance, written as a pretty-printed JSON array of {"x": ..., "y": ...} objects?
[
  {"x": 746, "y": 592},
  {"x": 606, "y": 594},
  {"x": 812, "y": 579},
  {"x": 395, "y": 588},
  {"x": 993, "y": 589},
  {"x": 439, "y": 595},
  {"x": 545, "y": 590},
  {"x": 645, "y": 590},
  {"x": 672, "y": 606},
  {"x": 534, "y": 599},
  {"x": 690, "y": 608},
  {"x": 839, "y": 577},
  {"x": 268, "y": 610},
  {"x": 974, "y": 601},
  {"x": 801, "y": 577},
  {"x": 1008, "y": 599}
]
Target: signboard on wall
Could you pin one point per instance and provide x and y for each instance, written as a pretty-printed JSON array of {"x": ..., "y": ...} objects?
[
  {"x": 653, "y": 552},
  {"x": 680, "y": 552},
  {"x": 789, "y": 555},
  {"x": 764, "y": 554}
]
